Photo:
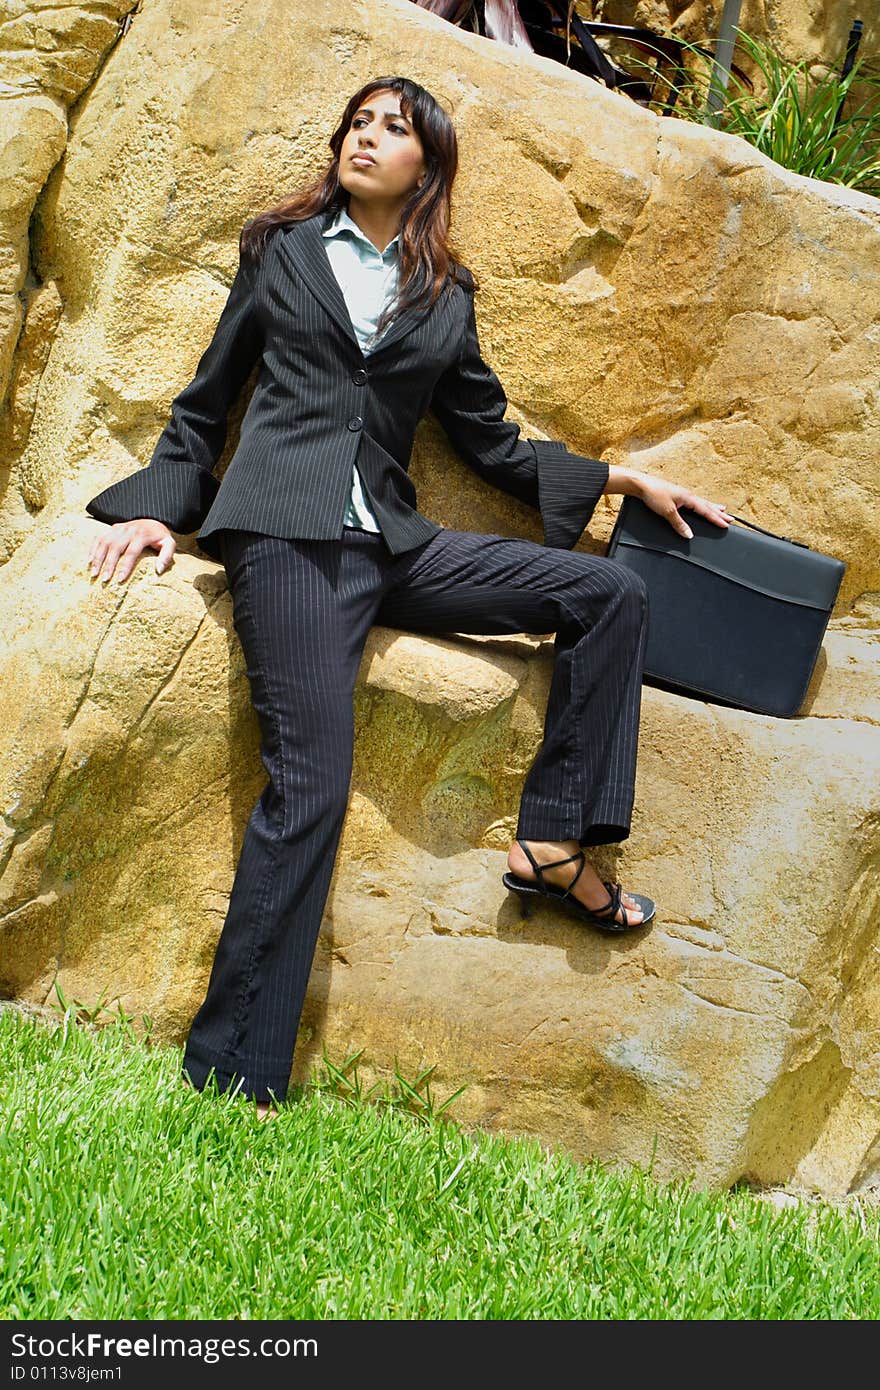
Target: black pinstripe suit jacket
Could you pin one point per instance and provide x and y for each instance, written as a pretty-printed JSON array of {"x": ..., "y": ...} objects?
[{"x": 320, "y": 404}]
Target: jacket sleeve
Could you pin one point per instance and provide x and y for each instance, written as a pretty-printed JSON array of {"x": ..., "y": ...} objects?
[
  {"x": 178, "y": 486},
  {"x": 470, "y": 403}
]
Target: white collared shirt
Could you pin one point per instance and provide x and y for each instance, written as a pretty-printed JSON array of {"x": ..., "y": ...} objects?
[{"x": 368, "y": 279}]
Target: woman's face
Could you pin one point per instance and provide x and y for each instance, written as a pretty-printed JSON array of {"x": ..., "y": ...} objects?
[{"x": 381, "y": 157}]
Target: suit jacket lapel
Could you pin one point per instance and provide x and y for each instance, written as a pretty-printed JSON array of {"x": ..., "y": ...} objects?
[{"x": 303, "y": 248}]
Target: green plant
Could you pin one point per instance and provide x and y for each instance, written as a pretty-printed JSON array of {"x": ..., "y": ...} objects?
[
  {"x": 414, "y": 1097},
  {"x": 78, "y": 1011},
  {"x": 794, "y": 120}
]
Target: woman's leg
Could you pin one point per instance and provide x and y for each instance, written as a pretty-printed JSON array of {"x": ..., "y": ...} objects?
[
  {"x": 580, "y": 787},
  {"x": 302, "y": 611}
]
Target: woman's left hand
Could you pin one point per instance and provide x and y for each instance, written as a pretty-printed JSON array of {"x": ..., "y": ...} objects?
[{"x": 666, "y": 498}]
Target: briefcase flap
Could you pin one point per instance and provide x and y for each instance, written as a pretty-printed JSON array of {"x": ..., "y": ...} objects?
[{"x": 770, "y": 565}]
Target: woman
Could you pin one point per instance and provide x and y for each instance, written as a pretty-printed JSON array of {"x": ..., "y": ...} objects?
[{"x": 360, "y": 318}]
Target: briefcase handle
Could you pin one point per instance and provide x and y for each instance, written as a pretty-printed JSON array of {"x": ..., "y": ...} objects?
[{"x": 765, "y": 532}]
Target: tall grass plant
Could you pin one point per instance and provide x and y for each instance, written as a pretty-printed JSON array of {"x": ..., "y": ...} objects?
[{"x": 799, "y": 115}]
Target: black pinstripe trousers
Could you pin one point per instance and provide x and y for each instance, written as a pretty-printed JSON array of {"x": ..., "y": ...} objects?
[{"x": 302, "y": 610}]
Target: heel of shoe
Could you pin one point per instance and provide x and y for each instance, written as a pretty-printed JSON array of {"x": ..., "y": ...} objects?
[
  {"x": 523, "y": 898},
  {"x": 525, "y": 906}
]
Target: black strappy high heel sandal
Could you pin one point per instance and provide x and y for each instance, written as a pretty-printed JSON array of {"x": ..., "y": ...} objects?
[{"x": 602, "y": 917}]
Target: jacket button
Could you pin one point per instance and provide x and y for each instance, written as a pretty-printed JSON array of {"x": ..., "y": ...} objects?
[
  {"x": 355, "y": 423},
  {"x": 359, "y": 377}
]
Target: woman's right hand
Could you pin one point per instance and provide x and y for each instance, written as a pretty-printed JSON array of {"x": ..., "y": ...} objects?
[
  {"x": 665, "y": 498},
  {"x": 123, "y": 543}
]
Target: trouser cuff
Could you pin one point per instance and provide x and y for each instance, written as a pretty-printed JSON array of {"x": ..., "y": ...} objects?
[
  {"x": 571, "y": 827},
  {"x": 256, "y": 1081}
]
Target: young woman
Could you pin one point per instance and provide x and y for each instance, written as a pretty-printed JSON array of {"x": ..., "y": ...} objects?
[{"x": 361, "y": 319}]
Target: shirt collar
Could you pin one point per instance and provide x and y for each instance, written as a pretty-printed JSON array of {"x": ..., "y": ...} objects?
[{"x": 342, "y": 222}]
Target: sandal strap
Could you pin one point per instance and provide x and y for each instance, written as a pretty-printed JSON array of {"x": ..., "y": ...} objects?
[
  {"x": 614, "y": 903},
  {"x": 582, "y": 866},
  {"x": 539, "y": 868}
]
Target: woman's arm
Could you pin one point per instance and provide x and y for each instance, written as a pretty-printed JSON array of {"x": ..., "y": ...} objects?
[
  {"x": 470, "y": 403},
  {"x": 178, "y": 486}
]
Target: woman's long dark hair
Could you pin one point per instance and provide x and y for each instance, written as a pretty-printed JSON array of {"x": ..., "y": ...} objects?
[{"x": 425, "y": 257}]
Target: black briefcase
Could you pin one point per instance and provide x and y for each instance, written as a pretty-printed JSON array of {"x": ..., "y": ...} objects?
[{"x": 736, "y": 615}]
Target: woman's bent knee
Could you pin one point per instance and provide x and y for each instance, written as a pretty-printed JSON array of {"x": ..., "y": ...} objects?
[{"x": 630, "y": 586}]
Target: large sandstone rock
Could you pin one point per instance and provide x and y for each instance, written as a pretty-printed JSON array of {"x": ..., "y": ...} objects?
[
  {"x": 50, "y": 56},
  {"x": 651, "y": 291}
]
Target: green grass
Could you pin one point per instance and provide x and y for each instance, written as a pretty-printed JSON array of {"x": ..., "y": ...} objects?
[{"x": 127, "y": 1196}]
